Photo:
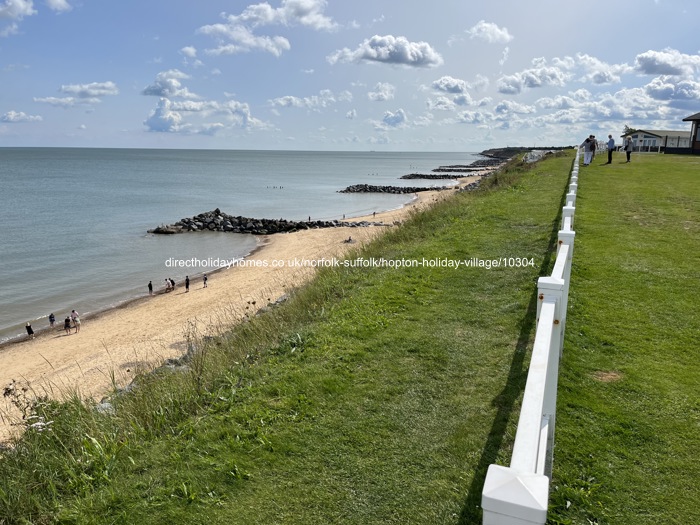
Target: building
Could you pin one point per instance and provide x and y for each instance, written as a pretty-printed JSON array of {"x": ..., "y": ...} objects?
[
  {"x": 694, "y": 133},
  {"x": 659, "y": 140}
]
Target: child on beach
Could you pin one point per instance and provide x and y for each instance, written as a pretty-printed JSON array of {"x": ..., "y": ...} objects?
[
  {"x": 30, "y": 331},
  {"x": 66, "y": 325}
]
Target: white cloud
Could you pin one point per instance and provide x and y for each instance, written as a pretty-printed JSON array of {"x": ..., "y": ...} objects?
[
  {"x": 236, "y": 34},
  {"x": 324, "y": 99},
  {"x": 508, "y": 107},
  {"x": 14, "y": 11},
  {"x": 441, "y": 104},
  {"x": 60, "y": 6},
  {"x": 394, "y": 119},
  {"x": 308, "y": 13},
  {"x": 243, "y": 40},
  {"x": 11, "y": 29},
  {"x": 351, "y": 115},
  {"x": 91, "y": 90},
  {"x": 473, "y": 117},
  {"x": 17, "y": 9},
  {"x": 679, "y": 93},
  {"x": 19, "y": 116},
  {"x": 539, "y": 76},
  {"x": 382, "y": 92},
  {"x": 599, "y": 72},
  {"x": 490, "y": 33},
  {"x": 81, "y": 94},
  {"x": 163, "y": 118},
  {"x": 504, "y": 58},
  {"x": 667, "y": 62},
  {"x": 558, "y": 102},
  {"x": 64, "y": 102},
  {"x": 463, "y": 100},
  {"x": 389, "y": 49},
  {"x": 192, "y": 116},
  {"x": 189, "y": 51},
  {"x": 450, "y": 85},
  {"x": 167, "y": 84}
]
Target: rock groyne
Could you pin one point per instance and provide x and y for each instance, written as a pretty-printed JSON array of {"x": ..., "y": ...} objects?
[
  {"x": 218, "y": 221},
  {"x": 370, "y": 188}
]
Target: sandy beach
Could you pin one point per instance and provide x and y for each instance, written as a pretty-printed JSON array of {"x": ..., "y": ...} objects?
[{"x": 112, "y": 346}]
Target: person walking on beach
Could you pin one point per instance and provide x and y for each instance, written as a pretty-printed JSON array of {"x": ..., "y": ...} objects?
[
  {"x": 172, "y": 284},
  {"x": 611, "y": 148},
  {"x": 168, "y": 286},
  {"x": 204, "y": 280},
  {"x": 628, "y": 148},
  {"x": 587, "y": 155},
  {"x": 52, "y": 320},
  {"x": 187, "y": 283},
  {"x": 76, "y": 320},
  {"x": 150, "y": 287},
  {"x": 30, "y": 331},
  {"x": 66, "y": 325}
]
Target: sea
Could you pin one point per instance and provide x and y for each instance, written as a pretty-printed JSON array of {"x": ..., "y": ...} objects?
[{"x": 74, "y": 221}]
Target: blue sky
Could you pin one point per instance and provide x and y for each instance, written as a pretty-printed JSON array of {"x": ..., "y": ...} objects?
[{"x": 447, "y": 75}]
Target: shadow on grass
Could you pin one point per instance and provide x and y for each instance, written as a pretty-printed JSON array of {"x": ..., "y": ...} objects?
[{"x": 515, "y": 384}]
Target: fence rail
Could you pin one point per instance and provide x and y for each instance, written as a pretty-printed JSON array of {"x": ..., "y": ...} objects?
[{"x": 519, "y": 494}]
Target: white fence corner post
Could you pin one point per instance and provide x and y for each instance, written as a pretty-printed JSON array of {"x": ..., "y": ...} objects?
[{"x": 514, "y": 498}]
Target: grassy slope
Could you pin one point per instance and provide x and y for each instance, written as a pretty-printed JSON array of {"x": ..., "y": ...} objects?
[
  {"x": 629, "y": 411},
  {"x": 374, "y": 396}
]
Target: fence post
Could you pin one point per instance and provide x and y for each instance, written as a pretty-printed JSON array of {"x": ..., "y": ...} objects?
[
  {"x": 567, "y": 211},
  {"x": 566, "y": 238},
  {"x": 514, "y": 498}
]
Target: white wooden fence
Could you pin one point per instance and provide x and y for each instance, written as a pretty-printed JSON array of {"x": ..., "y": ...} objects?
[{"x": 519, "y": 494}]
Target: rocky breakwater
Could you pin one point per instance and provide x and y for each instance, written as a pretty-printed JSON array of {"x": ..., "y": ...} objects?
[
  {"x": 369, "y": 188},
  {"x": 218, "y": 221},
  {"x": 428, "y": 176}
]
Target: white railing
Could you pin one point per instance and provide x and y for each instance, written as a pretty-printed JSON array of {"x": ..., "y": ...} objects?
[{"x": 519, "y": 494}]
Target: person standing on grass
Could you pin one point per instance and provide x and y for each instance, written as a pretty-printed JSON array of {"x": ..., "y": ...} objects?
[
  {"x": 594, "y": 145},
  {"x": 628, "y": 148},
  {"x": 611, "y": 148},
  {"x": 587, "y": 155}
]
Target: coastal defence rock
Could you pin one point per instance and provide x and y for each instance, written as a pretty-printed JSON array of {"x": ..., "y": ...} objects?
[
  {"x": 370, "y": 188},
  {"x": 429, "y": 176},
  {"x": 219, "y": 221}
]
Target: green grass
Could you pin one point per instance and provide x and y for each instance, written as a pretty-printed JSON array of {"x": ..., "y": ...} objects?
[
  {"x": 372, "y": 396},
  {"x": 628, "y": 416},
  {"x": 382, "y": 395}
]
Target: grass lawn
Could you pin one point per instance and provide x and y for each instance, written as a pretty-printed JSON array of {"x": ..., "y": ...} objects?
[{"x": 628, "y": 417}]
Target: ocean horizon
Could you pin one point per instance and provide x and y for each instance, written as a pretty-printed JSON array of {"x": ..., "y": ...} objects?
[{"x": 75, "y": 220}]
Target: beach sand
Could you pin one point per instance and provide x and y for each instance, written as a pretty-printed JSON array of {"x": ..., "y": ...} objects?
[{"x": 112, "y": 346}]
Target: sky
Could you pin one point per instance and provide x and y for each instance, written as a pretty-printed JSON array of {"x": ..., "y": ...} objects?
[{"x": 341, "y": 75}]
